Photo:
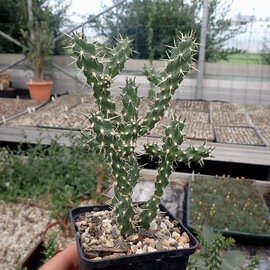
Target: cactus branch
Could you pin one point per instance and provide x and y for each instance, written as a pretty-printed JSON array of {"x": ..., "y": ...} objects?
[{"x": 113, "y": 133}]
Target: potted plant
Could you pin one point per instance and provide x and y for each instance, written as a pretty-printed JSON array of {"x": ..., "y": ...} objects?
[
  {"x": 38, "y": 48},
  {"x": 5, "y": 89},
  {"x": 127, "y": 235}
]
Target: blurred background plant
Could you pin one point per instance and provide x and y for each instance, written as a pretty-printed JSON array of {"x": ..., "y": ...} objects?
[
  {"x": 51, "y": 246},
  {"x": 228, "y": 204},
  {"x": 59, "y": 176},
  {"x": 153, "y": 23},
  {"x": 213, "y": 253},
  {"x": 14, "y": 17}
]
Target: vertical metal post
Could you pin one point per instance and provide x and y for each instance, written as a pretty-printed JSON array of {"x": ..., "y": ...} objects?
[
  {"x": 117, "y": 23},
  {"x": 202, "y": 50},
  {"x": 30, "y": 17}
]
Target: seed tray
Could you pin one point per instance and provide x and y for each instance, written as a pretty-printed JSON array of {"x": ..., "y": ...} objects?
[
  {"x": 145, "y": 106},
  {"x": 260, "y": 118},
  {"x": 226, "y": 107},
  {"x": 193, "y": 105},
  {"x": 76, "y": 117},
  {"x": 230, "y": 119},
  {"x": 192, "y": 116},
  {"x": 223, "y": 196},
  {"x": 72, "y": 119},
  {"x": 258, "y": 108},
  {"x": 265, "y": 132},
  {"x": 238, "y": 135},
  {"x": 64, "y": 102},
  {"x": 11, "y": 108},
  {"x": 199, "y": 131},
  {"x": 39, "y": 118},
  {"x": 47, "y": 115}
]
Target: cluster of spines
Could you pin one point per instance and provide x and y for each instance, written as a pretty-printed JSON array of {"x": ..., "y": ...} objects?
[
  {"x": 170, "y": 152},
  {"x": 179, "y": 64},
  {"x": 114, "y": 135}
]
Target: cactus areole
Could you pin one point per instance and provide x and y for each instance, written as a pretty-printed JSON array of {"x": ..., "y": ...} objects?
[{"x": 114, "y": 134}]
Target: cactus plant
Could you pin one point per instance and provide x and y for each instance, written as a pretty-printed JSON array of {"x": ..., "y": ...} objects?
[
  {"x": 114, "y": 134},
  {"x": 4, "y": 81}
]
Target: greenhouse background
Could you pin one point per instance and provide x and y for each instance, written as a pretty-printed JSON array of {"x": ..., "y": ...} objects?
[
  {"x": 242, "y": 77},
  {"x": 47, "y": 167}
]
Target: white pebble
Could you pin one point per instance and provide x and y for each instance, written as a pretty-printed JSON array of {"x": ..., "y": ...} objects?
[
  {"x": 93, "y": 242},
  {"x": 151, "y": 249},
  {"x": 172, "y": 241},
  {"x": 163, "y": 226},
  {"x": 109, "y": 244},
  {"x": 134, "y": 248},
  {"x": 132, "y": 237},
  {"x": 175, "y": 235},
  {"x": 139, "y": 251},
  {"x": 165, "y": 243},
  {"x": 149, "y": 241},
  {"x": 145, "y": 248}
]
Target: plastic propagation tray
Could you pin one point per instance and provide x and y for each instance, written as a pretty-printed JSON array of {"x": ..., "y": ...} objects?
[
  {"x": 239, "y": 236},
  {"x": 238, "y": 135},
  {"x": 193, "y": 105},
  {"x": 11, "y": 108},
  {"x": 199, "y": 131},
  {"x": 169, "y": 259}
]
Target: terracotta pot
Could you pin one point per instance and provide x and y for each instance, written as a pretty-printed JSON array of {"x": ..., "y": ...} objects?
[{"x": 40, "y": 90}]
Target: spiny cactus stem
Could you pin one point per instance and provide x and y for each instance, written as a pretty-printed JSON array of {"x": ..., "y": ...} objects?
[{"x": 114, "y": 135}]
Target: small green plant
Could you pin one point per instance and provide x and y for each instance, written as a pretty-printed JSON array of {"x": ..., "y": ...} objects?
[
  {"x": 228, "y": 204},
  {"x": 39, "y": 48},
  {"x": 58, "y": 175},
  {"x": 114, "y": 134},
  {"x": 18, "y": 263},
  {"x": 213, "y": 253},
  {"x": 50, "y": 246}
]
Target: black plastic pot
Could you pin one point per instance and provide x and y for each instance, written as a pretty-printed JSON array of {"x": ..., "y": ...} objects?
[
  {"x": 163, "y": 260},
  {"x": 10, "y": 93},
  {"x": 35, "y": 258}
]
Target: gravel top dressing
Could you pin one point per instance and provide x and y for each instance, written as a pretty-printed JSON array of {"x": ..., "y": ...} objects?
[{"x": 101, "y": 239}]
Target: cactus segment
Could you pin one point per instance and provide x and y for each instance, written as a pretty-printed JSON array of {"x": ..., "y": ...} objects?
[
  {"x": 152, "y": 75},
  {"x": 125, "y": 180},
  {"x": 169, "y": 153},
  {"x": 113, "y": 135},
  {"x": 119, "y": 55},
  {"x": 179, "y": 64},
  {"x": 130, "y": 100}
]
